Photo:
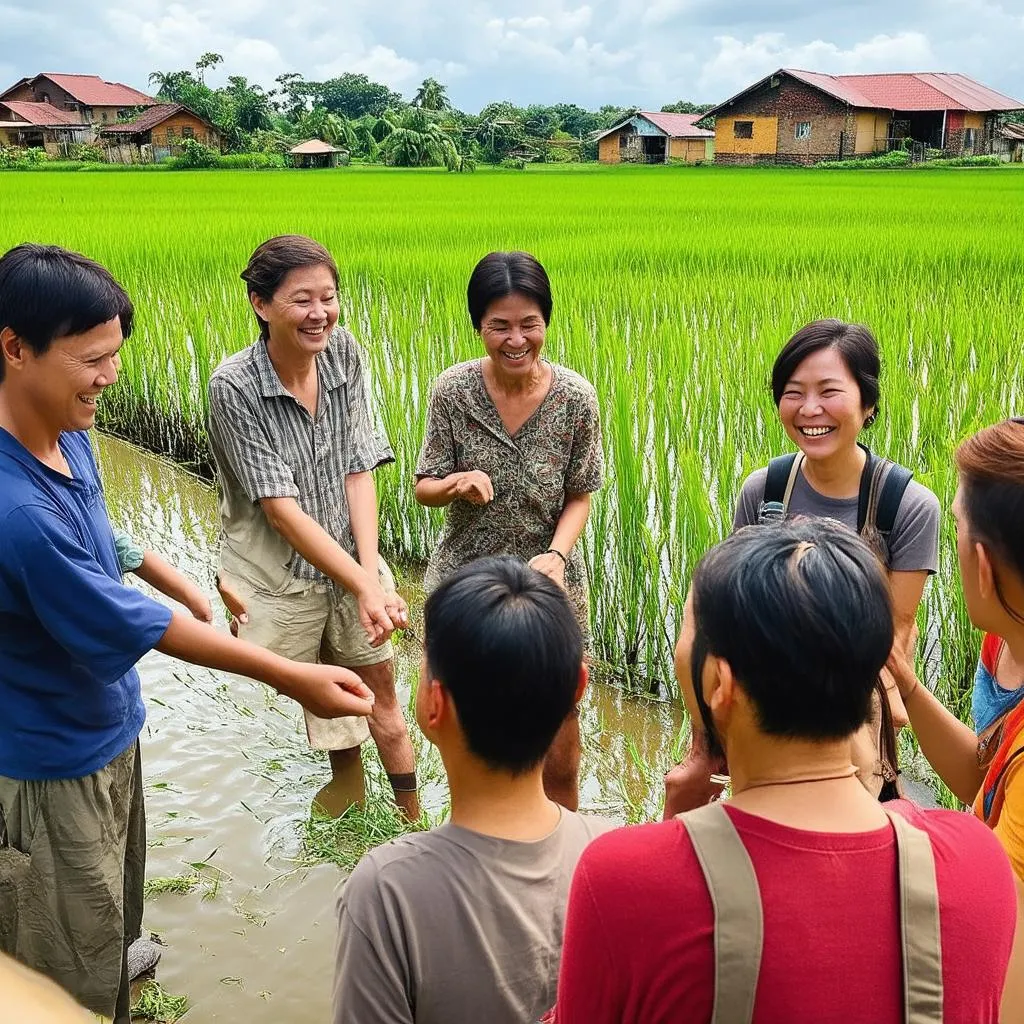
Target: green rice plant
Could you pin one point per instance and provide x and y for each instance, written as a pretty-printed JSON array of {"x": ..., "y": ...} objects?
[
  {"x": 155, "y": 1004},
  {"x": 673, "y": 293}
]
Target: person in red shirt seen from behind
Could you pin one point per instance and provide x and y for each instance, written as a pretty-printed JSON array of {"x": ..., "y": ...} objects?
[{"x": 785, "y": 631}]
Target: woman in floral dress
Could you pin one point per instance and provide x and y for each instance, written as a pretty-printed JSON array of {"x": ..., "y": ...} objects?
[{"x": 513, "y": 450}]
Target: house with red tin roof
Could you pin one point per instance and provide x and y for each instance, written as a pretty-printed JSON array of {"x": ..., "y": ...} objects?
[
  {"x": 649, "y": 137},
  {"x": 165, "y": 127},
  {"x": 41, "y": 125},
  {"x": 84, "y": 99},
  {"x": 803, "y": 117}
]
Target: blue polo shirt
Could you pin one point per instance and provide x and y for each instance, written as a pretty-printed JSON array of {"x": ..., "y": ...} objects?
[{"x": 70, "y": 630}]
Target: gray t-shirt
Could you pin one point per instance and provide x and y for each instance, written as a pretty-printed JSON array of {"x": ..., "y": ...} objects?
[
  {"x": 913, "y": 543},
  {"x": 451, "y": 925}
]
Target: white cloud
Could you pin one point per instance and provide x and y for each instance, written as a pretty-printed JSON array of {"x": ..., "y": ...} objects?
[
  {"x": 646, "y": 52},
  {"x": 738, "y": 64}
]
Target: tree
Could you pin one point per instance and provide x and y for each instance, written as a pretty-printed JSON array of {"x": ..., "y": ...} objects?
[
  {"x": 685, "y": 107},
  {"x": 207, "y": 61},
  {"x": 320, "y": 123},
  {"x": 431, "y": 95},
  {"x": 419, "y": 141},
  {"x": 354, "y": 95},
  {"x": 296, "y": 94},
  {"x": 252, "y": 111},
  {"x": 172, "y": 84}
]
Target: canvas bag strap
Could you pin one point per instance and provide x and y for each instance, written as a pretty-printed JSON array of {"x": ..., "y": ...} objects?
[
  {"x": 739, "y": 920},
  {"x": 919, "y": 924},
  {"x": 798, "y": 461}
]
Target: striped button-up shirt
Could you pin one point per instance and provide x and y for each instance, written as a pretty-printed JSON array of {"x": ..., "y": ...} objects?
[{"x": 266, "y": 445}]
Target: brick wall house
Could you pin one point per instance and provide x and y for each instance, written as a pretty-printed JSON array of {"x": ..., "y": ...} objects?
[
  {"x": 164, "y": 127},
  {"x": 85, "y": 99},
  {"x": 649, "y": 137},
  {"x": 802, "y": 117}
]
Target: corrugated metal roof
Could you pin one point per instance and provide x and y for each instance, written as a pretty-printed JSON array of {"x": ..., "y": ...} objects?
[
  {"x": 148, "y": 119},
  {"x": 42, "y": 115},
  {"x": 93, "y": 91},
  {"x": 902, "y": 91},
  {"x": 679, "y": 126}
]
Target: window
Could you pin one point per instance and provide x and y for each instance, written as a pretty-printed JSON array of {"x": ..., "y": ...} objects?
[
  {"x": 970, "y": 135},
  {"x": 187, "y": 132},
  {"x": 743, "y": 129},
  {"x": 802, "y": 130}
]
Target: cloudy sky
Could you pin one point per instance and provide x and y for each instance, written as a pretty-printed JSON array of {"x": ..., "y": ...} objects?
[{"x": 628, "y": 52}]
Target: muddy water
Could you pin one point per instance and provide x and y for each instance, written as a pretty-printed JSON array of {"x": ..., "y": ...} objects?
[{"x": 229, "y": 782}]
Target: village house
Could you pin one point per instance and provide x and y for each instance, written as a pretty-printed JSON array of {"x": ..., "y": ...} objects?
[
  {"x": 162, "y": 128},
  {"x": 803, "y": 117},
  {"x": 1009, "y": 142},
  {"x": 80, "y": 99},
  {"x": 39, "y": 125},
  {"x": 647, "y": 137}
]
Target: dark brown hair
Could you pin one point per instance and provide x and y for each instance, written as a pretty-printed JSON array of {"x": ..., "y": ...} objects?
[
  {"x": 855, "y": 344},
  {"x": 271, "y": 263},
  {"x": 507, "y": 273},
  {"x": 991, "y": 467}
]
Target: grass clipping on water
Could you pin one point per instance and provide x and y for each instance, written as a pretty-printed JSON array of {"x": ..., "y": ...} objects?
[{"x": 156, "y": 1005}]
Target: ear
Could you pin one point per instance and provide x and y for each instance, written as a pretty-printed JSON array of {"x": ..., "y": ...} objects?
[
  {"x": 438, "y": 704},
  {"x": 986, "y": 572},
  {"x": 719, "y": 685},
  {"x": 581, "y": 683},
  {"x": 258, "y": 304},
  {"x": 12, "y": 348}
]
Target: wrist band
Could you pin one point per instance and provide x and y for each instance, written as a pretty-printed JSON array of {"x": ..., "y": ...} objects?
[{"x": 555, "y": 551}]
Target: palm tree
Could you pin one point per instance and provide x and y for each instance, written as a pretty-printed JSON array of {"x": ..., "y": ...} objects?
[
  {"x": 208, "y": 60},
  {"x": 431, "y": 95},
  {"x": 171, "y": 84},
  {"x": 418, "y": 141}
]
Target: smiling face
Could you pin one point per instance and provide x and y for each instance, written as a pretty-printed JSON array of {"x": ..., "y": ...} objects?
[
  {"x": 65, "y": 382},
  {"x": 821, "y": 407},
  {"x": 513, "y": 330},
  {"x": 303, "y": 311}
]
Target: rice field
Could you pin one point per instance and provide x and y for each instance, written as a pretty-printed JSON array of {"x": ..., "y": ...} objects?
[{"x": 674, "y": 289}]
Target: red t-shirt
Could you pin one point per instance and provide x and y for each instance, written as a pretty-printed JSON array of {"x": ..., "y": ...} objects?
[{"x": 639, "y": 931}]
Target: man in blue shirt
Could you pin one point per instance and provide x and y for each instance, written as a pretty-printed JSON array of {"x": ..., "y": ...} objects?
[{"x": 72, "y": 820}]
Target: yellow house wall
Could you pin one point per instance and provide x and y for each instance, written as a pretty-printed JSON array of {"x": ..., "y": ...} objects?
[
  {"x": 690, "y": 150},
  {"x": 865, "y": 140},
  {"x": 608, "y": 149},
  {"x": 764, "y": 140},
  {"x": 974, "y": 121}
]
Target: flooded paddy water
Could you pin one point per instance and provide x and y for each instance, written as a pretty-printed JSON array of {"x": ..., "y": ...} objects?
[{"x": 230, "y": 784}]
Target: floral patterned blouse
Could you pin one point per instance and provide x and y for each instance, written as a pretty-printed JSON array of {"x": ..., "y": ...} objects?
[{"x": 555, "y": 453}]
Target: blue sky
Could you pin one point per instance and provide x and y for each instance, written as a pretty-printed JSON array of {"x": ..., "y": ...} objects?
[{"x": 626, "y": 52}]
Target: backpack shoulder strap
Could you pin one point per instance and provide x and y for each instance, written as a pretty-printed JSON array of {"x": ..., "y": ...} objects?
[
  {"x": 866, "y": 496},
  {"x": 919, "y": 923},
  {"x": 739, "y": 919},
  {"x": 778, "y": 484},
  {"x": 893, "y": 488}
]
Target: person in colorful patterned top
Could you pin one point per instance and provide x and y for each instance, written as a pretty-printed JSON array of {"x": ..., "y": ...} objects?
[
  {"x": 983, "y": 767},
  {"x": 513, "y": 450}
]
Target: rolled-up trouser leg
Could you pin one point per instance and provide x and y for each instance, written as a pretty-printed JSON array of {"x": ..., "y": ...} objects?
[{"x": 76, "y": 848}]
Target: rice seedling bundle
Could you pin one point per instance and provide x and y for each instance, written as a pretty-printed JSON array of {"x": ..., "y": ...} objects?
[{"x": 674, "y": 289}]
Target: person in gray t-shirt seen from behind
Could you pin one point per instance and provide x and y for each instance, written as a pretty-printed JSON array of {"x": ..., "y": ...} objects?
[{"x": 465, "y": 922}]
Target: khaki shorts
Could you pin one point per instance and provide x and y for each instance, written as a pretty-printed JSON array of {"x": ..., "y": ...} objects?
[
  {"x": 72, "y": 869},
  {"x": 315, "y": 622}
]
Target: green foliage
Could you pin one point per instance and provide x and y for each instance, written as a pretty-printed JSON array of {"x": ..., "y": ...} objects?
[
  {"x": 86, "y": 152},
  {"x": 964, "y": 161},
  {"x": 431, "y": 95},
  {"x": 35, "y": 155},
  {"x": 251, "y": 161},
  {"x": 513, "y": 164},
  {"x": 156, "y": 1005},
  {"x": 352, "y": 96},
  {"x": 886, "y": 161},
  {"x": 194, "y": 156},
  {"x": 685, "y": 107}
]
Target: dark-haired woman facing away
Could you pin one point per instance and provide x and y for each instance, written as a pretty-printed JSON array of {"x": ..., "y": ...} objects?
[
  {"x": 825, "y": 383},
  {"x": 513, "y": 449}
]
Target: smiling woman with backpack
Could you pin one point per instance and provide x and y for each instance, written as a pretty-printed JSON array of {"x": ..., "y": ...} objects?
[{"x": 825, "y": 383}]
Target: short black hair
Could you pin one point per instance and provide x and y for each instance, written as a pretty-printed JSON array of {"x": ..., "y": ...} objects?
[
  {"x": 503, "y": 640},
  {"x": 854, "y": 342},
  {"x": 801, "y": 611},
  {"x": 507, "y": 273},
  {"x": 48, "y": 292}
]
